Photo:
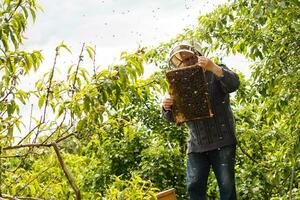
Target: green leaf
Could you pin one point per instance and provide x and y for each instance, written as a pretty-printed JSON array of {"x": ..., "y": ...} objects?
[
  {"x": 42, "y": 100},
  {"x": 10, "y": 133},
  {"x": 123, "y": 75},
  {"x": 33, "y": 15},
  {"x": 4, "y": 40},
  {"x": 84, "y": 73},
  {"x": 64, "y": 46},
  {"x": 91, "y": 51},
  {"x": 132, "y": 73},
  {"x": 21, "y": 95},
  {"x": 15, "y": 42},
  {"x": 60, "y": 111},
  {"x": 24, "y": 11},
  {"x": 29, "y": 62},
  {"x": 86, "y": 104},
  {"x": 11, "y": 108},
  {"x": 70, "y": 68},
  {"x": 53, "y": 106},
  {"x": 138, "y": 66}
]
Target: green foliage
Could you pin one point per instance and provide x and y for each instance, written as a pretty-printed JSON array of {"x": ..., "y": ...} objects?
[
  {"x": 109, "y": 124},
  {"x": 14, "y": 63},
  {"x": 164, "y": 165},
  {"x": 133, "y": 189}
]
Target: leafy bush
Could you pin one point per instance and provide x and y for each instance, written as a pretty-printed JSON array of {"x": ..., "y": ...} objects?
[{"x": 132, "y": 189}]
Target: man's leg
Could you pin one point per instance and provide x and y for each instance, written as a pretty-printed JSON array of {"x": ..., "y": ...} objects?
[
  {"x": 198, "y": 167},
  {"x": 223, "y": 161}
]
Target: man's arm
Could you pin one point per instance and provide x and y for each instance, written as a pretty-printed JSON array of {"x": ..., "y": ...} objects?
[
  {"x": 168, "y": 115},
  {"x": 229, "y": 80},
  {"x": 167, "y": 109}
]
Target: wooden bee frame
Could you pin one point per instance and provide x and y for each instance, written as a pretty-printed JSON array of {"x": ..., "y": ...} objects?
[{"x": 189, "y": 89}]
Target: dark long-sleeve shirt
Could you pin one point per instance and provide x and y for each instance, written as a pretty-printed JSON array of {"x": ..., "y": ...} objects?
[{"x": 219, "y": 130}]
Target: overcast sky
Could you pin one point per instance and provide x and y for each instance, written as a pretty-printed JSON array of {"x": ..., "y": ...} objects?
[
  {"x": 113, "y": 26},
  {"x": 118, "y": 24}
]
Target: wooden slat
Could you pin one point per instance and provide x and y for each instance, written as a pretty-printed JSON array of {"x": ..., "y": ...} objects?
[{"x": 167, "y": 195}]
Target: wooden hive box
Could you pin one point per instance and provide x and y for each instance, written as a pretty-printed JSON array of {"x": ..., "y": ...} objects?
[{"x": 167, "y": 195}]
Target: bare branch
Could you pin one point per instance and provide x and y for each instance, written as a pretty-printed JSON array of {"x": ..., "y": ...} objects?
[
  {"x": 12, "y": 156},
  {"x": 7, "y": 94},
  {"x": 43, "y": 117},
  {"x": 37, "y": 126},
  {"x": 6, "y": 196},
  {"x": 94, "y": 62},
  {"x": 49, "y": 86},
  {"x": 64, "y": 168},
  {"x": 39, "y": 144},
  {"x": 31, "y": 109},
  {"x": 244, "y": 152},
  {"x": 65, "y": 137},
  {"x": 66, "y": 172},
  {"x": 60, "y": 125},
  {"x": 26, "y": 145},
  {"x": 77, "y": 68},
  {"x": 17, "y": 155}
]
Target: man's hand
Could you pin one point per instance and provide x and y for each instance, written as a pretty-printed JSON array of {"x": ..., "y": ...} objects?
[
  {"x": 168, "y": 103},
  {"x": 209, "y": 65}
]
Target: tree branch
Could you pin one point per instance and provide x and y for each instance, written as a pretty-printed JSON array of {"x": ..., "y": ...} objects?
[
  {"x": 77, "y": 68},
  {"x": 244, "y": 152},
  {"x": 17, "y": 155},
  {"x": 94, "y": 63},
  {"x": 65, "y": 137},
  {"x": 39, "y": 144},
  {"x": 60, "y": 159},
  {"x": 7, "y": 94},
  {"x": 59, "y": 126},
  {"x": 68, "y": 176},
  {"x": 16, "y": 8},
  {"x": 30, "y": 121},
  {"x": 49, "y": 86},
  {"x": 6, "y": 196},
  {"x": 37, "y": 126},
  {"x": 26, "y": 145}
]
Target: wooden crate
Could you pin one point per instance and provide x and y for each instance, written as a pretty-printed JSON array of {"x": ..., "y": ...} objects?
[{"x": 167, "y": 195}]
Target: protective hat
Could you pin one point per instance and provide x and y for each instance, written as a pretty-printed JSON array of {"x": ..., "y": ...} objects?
[{"x": 183, "y": 55}]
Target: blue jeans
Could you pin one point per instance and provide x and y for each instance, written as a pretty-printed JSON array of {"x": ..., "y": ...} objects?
[{"x": 222, "y": 161}]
